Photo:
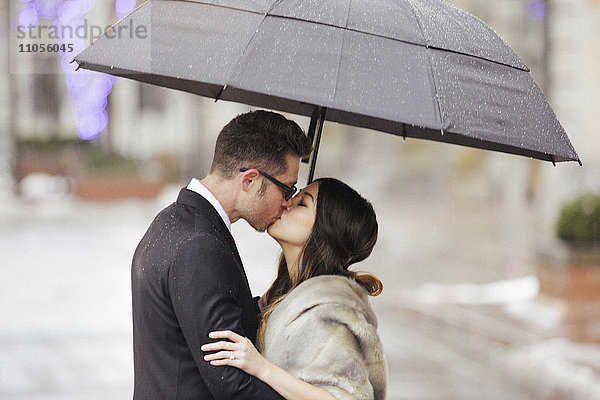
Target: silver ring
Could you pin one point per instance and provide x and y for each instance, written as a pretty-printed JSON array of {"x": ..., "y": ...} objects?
[{"x": 231, "y": 356}]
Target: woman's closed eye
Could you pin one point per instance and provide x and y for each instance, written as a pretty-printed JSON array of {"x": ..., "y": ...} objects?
[{"x": 304, "y": 199}]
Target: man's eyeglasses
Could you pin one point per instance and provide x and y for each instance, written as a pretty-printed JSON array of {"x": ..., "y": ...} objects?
[{"x": 288, "y": 191}]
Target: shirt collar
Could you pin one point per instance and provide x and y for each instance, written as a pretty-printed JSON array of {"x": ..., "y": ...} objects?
[{"x": 196, "y": 186}]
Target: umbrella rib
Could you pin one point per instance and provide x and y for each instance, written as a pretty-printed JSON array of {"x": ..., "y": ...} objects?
[
  {"x": 437, "y": 97},
  {"x": 240, "y": 59},
  {"x": 268, "y": 13},
  {"x": 477, "y": 57},
  {"x": 337, "y": 74},
  {"x": 398, "y": 40},
  {"x": 218, "y": 96},
  {"x": 275, "y": 4},
  {"x": 218, "y": 5}
]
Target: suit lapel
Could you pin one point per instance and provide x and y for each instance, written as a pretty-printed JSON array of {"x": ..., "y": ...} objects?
[{"x": 193, "y": 199}]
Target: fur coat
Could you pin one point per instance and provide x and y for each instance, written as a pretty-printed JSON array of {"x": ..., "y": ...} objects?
[{"x": 325, "y": 333}]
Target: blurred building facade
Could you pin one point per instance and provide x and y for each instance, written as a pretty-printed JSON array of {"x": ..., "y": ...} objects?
[
  {"x": 147, "y": 122},
  {"x": 7, "y": 138}
]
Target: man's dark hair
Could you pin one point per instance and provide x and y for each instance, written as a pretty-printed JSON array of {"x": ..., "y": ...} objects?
[{"x": 258, "y": 139}]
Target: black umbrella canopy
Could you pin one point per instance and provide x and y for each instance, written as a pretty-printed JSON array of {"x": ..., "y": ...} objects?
[{"x": 414, "y": 68}]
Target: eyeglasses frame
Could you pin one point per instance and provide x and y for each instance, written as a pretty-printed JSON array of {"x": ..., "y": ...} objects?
[{"x": 289, "y": 191}]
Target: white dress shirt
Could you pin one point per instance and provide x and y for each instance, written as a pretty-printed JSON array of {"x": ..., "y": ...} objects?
[{"x": 196, "y": 186}]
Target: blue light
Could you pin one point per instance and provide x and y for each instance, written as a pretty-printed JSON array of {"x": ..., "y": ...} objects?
[
  {"x": 67, "y": 12},
  {"x": 89, "y": 90},
  {"x": 48, "y": 8},
  {"x": 92, "y": 124},
  {"x": 77, "y": 81},
  {"x": 28, "y": 16},
  {"x": 536, "y": 10},
  {"x": 124, "y": 7}
]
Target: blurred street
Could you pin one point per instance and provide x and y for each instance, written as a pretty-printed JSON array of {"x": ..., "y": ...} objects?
[{"x": 468, "y": 311}]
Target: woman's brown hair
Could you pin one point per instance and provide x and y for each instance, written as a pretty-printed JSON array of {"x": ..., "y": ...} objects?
[{"x": 344, "y": 233}]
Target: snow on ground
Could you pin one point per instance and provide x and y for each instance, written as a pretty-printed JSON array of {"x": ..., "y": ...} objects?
[
  {"x": 65, "y": 331},
  {"x": 497, "y": 292},
  {"x": 66, "y": 319},
  {"x": 563, "y": 368}
]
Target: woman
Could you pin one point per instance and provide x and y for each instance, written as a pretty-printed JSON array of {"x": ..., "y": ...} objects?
[{"x": 318, "y": 332}]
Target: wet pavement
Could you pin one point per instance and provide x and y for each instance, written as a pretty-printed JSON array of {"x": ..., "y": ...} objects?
[{"x": 468, "y": 311}]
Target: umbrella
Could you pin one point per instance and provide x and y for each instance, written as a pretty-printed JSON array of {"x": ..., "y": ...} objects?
[{"x": 414, "y": 68}]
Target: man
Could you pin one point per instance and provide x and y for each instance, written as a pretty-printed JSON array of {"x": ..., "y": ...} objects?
[{"x": 187, "y": 276}]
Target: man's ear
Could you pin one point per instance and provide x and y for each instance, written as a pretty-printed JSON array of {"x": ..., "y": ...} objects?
[{"x": 248, "y": 178}]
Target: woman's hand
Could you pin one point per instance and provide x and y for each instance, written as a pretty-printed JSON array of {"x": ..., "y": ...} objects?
[
  {"x": 239, "y": 352},
  {"x": 248, "y": 359}
]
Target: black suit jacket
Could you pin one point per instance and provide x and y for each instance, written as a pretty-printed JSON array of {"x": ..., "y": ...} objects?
[{"x": 188, "y": 280}]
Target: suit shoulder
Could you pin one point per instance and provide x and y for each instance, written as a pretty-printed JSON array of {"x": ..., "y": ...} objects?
[{"x": 204, "y": 244}]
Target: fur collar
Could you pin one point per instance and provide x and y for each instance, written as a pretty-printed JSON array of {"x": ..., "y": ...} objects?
[{"x": 324, "y": 289}]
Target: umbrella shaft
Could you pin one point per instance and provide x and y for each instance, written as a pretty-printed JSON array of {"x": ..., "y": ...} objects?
[{"x": 316, "y": 123}]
